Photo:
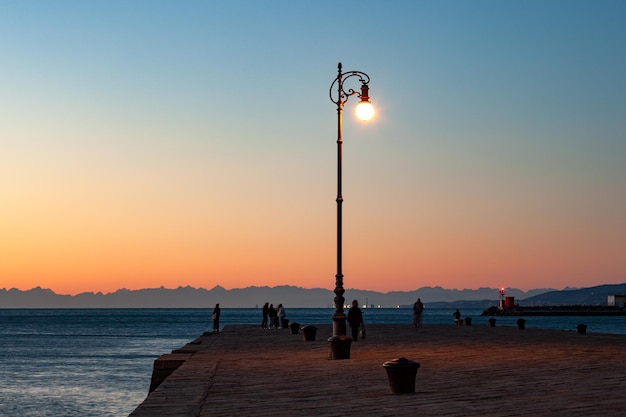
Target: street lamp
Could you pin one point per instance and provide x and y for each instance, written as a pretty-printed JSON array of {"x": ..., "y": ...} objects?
[{"x": 364, "y": 111}]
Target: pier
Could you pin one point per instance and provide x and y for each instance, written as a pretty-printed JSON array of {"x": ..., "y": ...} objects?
[{"x": 465, "y": 371}]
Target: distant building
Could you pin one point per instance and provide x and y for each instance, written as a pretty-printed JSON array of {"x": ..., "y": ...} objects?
[{"x": 616, "y": 300}]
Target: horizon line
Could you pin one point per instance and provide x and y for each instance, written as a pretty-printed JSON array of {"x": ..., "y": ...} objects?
[{"x": 162, "y": 287}]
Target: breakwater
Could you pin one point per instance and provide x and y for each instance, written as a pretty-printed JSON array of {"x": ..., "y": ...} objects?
[
  {"x": 246, "y": 370},
  {"x": 576, "y": 310}
]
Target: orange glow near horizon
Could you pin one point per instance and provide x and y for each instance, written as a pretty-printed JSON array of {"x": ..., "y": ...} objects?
[
  {"x": 72, "y": 268},
  {"x": 71, "y": 245}
]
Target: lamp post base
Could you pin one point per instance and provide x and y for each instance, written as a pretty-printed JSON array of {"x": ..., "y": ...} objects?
[{"x": 339, "y": 324}]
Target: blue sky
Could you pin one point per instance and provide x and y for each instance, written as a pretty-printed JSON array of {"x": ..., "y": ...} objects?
[{"x": 152, "y": 143}]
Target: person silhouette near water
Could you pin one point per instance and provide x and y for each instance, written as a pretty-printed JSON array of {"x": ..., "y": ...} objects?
[
  {"x": 457, "y": 317},
  {"x": 271, "y": 312},
  {"x": 418, "y": 307},
  {"x": 280, "y": 316},
  {"x": 266, "y": 308},
  {"x": 355, "y": 319},
  {"x": 216, "y": 318}
]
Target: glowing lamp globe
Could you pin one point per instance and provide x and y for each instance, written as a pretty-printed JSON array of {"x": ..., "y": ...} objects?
[{"x": 364, "y": 110}]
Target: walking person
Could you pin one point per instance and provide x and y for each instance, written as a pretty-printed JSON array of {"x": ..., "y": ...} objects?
[
  {"x": 266, "y": 308},
  {"x": 355, "y": 319},
  {"x": 216, "y": 318},
  {"x": 418, "y": 307}
]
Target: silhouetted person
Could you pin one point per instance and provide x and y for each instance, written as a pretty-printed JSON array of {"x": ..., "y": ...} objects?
[
  {"x": 266, "y": 308},
  {"x": 280, "y": 315},
  {"x": 457, "y": 317},
  {"x": 355, "y": 319},
  {"x": 271, "y": 312},
  {"x": 216, "y": 318},
  {"x": 418, "y": 307}
]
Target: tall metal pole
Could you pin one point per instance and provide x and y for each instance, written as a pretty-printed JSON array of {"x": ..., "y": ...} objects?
[{"x": 339, "y": 317}]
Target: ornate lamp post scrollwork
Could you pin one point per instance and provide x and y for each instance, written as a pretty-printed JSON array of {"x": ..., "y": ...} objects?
[{"x": 339, "y": 94}]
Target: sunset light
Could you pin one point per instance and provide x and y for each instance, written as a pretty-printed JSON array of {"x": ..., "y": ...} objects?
[
  {"x": 181, "y": 181},
  {"x": 135, "y": 152}
]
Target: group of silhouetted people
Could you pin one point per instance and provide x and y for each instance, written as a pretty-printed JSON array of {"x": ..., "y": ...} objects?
[{"x": 273, "y": 318}]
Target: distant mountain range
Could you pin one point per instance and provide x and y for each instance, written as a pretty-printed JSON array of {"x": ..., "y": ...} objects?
[
  {"x": 290, "y": 296},
  {"x": 189, "y": 297}
]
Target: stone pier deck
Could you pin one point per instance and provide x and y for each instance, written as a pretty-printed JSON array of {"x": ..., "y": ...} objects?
[{"x": 465, "y": 371}]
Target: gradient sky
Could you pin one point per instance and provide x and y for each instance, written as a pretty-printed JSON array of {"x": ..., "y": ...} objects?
[{"x": 152, "y": 143}]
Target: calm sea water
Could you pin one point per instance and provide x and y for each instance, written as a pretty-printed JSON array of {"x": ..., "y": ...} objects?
[{"x": 98, "y": 362}]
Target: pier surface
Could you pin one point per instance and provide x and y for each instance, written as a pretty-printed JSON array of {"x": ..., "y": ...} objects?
[{"x": 465, "y": 371}]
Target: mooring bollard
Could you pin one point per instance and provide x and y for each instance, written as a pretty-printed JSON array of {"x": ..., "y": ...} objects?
[
  {"x": 401, "y": 374},
  {"x": 309, "y": 333}
]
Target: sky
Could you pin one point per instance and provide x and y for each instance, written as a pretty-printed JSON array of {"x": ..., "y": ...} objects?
[{"x": 174, "y": 143}]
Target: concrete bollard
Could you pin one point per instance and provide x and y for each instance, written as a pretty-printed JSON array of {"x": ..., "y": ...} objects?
[
  {"x": 309, "y": 333},
  {"x": 401, "y": 374}
]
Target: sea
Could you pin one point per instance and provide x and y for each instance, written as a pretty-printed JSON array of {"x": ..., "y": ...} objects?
[{"x": 98, "y": 362}]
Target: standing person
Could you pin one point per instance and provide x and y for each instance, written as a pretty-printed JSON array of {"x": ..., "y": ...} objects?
[
  {"x": 266, "y": 308},
  {"x": 216, "y": 318},
  {"x": 355, "y": 319},
  {"x": 271, "y": 312},
  {"x": 457, "y": 317},
  {"x": 281, "y": 315},
  {"x": 418, "y": 307}
]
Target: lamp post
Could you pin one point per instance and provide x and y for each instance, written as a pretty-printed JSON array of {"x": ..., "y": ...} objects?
[{"x": 339, "y": 95}]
